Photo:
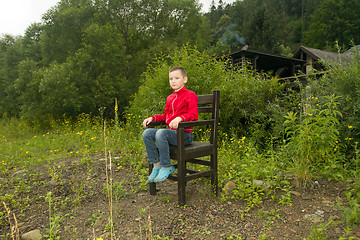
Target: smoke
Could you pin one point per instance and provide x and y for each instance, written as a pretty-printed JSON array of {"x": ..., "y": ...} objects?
[
  {"x": 232, "y": 37},
  {"x": 241, "y": 40}
]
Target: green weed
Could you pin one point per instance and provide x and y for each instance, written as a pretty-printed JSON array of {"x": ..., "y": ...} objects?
[
  {"x": 55, "y": 219},
  {"x": 313, "y": 136},
  {"x": 351, "y": 211},
  {"x": 119, "y": 191},
  {"x": 94, "y": 217}
]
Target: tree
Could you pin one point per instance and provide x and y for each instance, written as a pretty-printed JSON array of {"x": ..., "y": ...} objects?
[
  {"x": 30, "y": 43},
  {"x": 104, "y": 55},
  {"x": 10, "y": 56},
  {"x": 260, "y": 32},
  {"x": 228, "y": 35},
  {"x": 27, "y": 84},
  {"x": 88, "y": 80},
  {"x": 63, "y": 27},
  {"x": 335, "y": 21}
]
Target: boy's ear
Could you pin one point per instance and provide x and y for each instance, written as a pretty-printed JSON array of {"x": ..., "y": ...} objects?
[{"x": 185, "y": 79}]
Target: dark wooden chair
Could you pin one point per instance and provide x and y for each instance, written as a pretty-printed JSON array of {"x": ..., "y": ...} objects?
[{"x": 192, "y": 153}]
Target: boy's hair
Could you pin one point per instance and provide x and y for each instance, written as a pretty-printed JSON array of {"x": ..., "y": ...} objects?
[{"x": 183, "y": 71}]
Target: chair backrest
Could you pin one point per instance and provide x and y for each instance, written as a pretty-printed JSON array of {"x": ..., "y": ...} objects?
[{"x": 210, "y": 104}]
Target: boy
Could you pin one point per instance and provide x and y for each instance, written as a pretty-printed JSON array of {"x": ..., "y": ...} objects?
[{"x": 181, "y": 106}]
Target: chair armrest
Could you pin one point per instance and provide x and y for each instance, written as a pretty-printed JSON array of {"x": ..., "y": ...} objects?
[
  {"x": 156, "y": 123},
  {"x": 196, "y": 123},
  {"x": 184, "y": 124}
]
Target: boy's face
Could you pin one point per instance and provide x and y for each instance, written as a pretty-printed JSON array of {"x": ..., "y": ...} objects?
[{"x": 177, "y": 80}]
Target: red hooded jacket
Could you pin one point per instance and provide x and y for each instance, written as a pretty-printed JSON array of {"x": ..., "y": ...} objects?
[{"x": 182, "y": 103}]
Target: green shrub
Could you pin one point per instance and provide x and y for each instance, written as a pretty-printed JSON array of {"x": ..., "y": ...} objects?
[
  {"x": 343, "y": 79},
  {"x": 313, "y": 136},
  {"x": 245, "y": 94}
]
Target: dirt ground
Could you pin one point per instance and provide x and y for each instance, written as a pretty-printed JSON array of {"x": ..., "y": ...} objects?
[{"x": 80, "y": 202}]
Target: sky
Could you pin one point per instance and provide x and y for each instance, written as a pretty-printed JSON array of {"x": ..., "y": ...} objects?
[{"x": 17, "y": 15}]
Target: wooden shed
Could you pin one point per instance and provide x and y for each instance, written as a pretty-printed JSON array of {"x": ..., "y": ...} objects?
[{"x": 266, "y": 62}]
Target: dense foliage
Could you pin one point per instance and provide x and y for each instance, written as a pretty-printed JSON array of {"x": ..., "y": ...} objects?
[
  {"x": 246, "y": 99},
  {"x": 86, "y": 53},
  {"x": 313, "y": 129}
]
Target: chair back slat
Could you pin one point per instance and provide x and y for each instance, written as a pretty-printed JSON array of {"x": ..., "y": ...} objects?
[
  {"x": 205, "y": 99},
  {"x": 205, "y": 109}
]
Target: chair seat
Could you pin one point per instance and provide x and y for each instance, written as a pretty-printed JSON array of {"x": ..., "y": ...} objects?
[{"x": 194, "y": 150}]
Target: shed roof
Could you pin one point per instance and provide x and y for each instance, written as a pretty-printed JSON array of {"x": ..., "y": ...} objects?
[
  {"x": 352, "y": 52},
  {"x": 266, "y": 61},
  {"x": 318, "y": 54}
]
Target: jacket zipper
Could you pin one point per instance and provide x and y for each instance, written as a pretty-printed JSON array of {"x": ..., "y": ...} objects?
[{"x": 173, "y": 109}]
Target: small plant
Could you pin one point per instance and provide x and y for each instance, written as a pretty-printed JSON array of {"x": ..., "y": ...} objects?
[
  {"x": 109, "y": 226},
  {"x": 142, "y": 212},
  {"x": 78, "y": 189},
  {"x": 54, "y": 220},
  {"x": 165, "y": 199},
  {"x": 94, "y": 217},
  {"x": 147, "y": 226},
  {"x": 270, "y": 216},
  {"x": 234, "y": 237},
  {"x": 118, "y": 190},
  {"x": 161, "y": 238},
  {"x": 263, "y": 236},
  {"x": 55, "y": 174},
  {"x": 86, "y": 160},
  {"x": 351, "y": 213},
  {"x": 317, "y": 233}
]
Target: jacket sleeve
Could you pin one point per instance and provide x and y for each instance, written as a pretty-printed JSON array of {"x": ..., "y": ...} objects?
[{"x": 158, "y": 117}]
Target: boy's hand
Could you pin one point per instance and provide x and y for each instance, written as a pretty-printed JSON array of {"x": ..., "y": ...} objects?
[
  {"x": 147, "y": 122},
  {"x": 175, "y": 123}
]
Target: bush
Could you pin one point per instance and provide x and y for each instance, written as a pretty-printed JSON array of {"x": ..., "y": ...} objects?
[
  {"x": 343, "y": 79},
  {"x": 245, "y": 94}
]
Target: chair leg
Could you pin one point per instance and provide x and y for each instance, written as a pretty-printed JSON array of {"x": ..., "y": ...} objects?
[
  {"x": 152, "y": 188},
  {"x": 181, "y": 193},
  {"x": 214, "y": 184},
  {"x": 181, "y": 182},
  {"x": 152, "y": 185},
  {"x": 214, "y": 175}
]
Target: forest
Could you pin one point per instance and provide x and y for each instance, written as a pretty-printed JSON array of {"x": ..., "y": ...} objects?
[
  {"x": 75, "y": 88},
  {"x": 85, "y": 53}
]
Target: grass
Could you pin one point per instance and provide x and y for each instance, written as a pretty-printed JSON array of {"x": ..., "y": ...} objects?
[{"x": 22, "y": 146}]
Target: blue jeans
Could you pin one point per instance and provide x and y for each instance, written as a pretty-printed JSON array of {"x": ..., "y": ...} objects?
[{"x": 157, "y": 143}]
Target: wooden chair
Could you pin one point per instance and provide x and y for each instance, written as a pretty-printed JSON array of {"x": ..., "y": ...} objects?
[{"x": 191, "y": 153}]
